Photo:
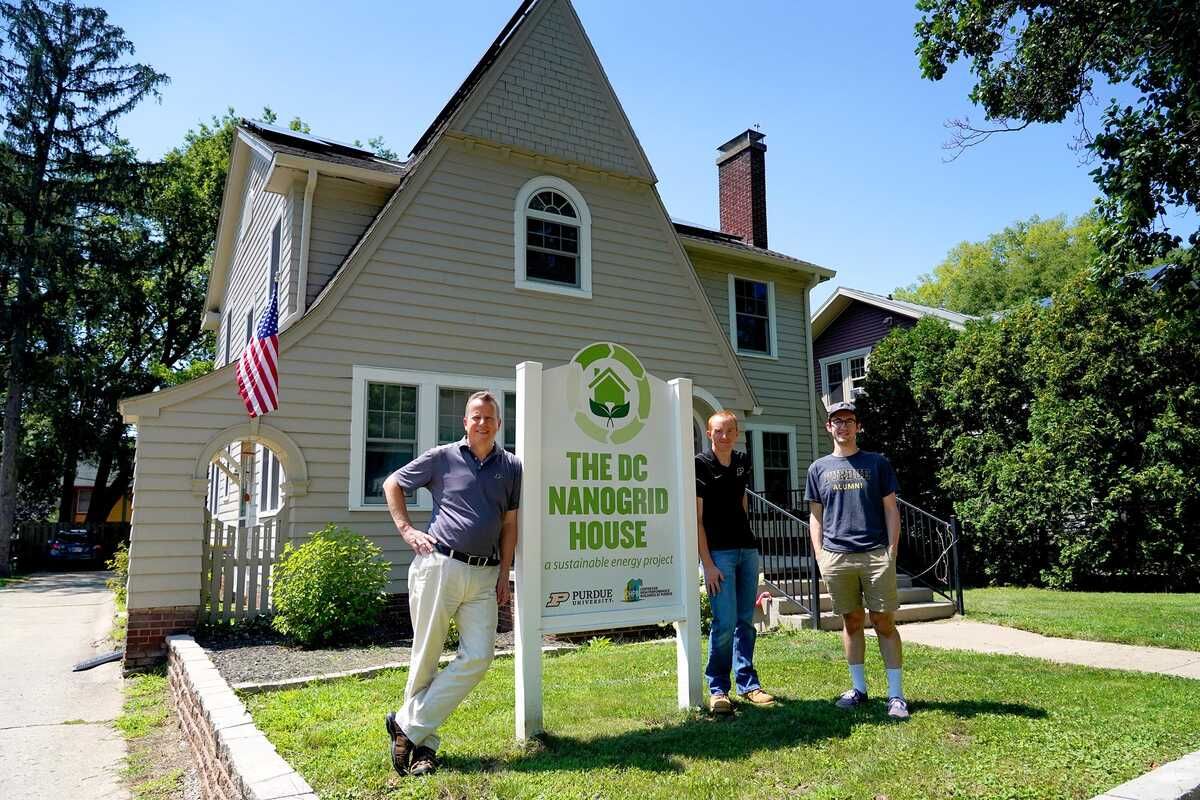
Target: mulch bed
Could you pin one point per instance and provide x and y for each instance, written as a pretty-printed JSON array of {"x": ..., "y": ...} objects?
[{"x": 254, "y": 652}]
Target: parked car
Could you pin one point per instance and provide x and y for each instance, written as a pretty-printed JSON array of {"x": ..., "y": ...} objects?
[{"x": 73, "y": 545}]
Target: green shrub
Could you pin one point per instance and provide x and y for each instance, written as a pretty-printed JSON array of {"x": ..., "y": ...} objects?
[
  {"x": 705, "y": 610},
  {"x": 119, "y": 564},
  {"x": 329, "y": 587}
]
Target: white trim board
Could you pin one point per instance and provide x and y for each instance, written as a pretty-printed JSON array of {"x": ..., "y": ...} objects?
[{"x": 427, "y": 384}]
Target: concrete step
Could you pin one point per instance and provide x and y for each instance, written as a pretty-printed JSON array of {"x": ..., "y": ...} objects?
[
  {"x": 801, "y": 586},
  {"x": 914, "y": 612},
  {"x": 908, "y": 596}
]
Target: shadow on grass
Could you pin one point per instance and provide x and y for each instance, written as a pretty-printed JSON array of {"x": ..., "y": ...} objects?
[{"x": 660, "y": 748}]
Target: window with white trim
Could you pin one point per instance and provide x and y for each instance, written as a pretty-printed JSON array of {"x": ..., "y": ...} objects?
[
  {"x": 552, "y": 245},
  {"x": 270, "y": 476},
  {"x": 843, "y": 375},
  {"x": 273, "y": 270},
  {"x": 772, "y": 452},
  {"x": 752, "y": 317},
  {"x": 399, "y": 414}
]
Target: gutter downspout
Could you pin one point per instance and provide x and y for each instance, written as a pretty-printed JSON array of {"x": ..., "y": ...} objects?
[
  {"x": 812, "y": 381},
  {"x": 310, "y": 187}
]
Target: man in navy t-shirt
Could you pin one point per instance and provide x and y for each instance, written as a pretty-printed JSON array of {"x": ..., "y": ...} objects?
[{"x": 855, "y": 527}]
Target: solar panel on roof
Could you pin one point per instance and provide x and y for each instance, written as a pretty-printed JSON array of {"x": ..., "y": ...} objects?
[{"x": 317, "y": 140}]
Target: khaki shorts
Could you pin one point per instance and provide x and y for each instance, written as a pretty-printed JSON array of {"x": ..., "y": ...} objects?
[{"x": 860, "y": 580}]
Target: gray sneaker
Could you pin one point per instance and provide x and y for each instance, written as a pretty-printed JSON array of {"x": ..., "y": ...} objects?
[
  {"x": 897, "y": 708},
  {"x": 851, "y": 698}
]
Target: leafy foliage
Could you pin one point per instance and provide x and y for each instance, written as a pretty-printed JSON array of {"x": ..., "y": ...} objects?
[
  {"x": 1028, "y": 260},
  {"x": 1040, "y": 62},
  {"x": 1067, "y": 438},
  {"x": 119, "y": 564},
  {"x": 330, "y": 586}
]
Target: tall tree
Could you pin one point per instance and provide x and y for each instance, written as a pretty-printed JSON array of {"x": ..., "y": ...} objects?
[
  {"x": 64, "y": 81},
  {"x": 1028, "y": 260},
  {"x": 1040, "y": 61}
]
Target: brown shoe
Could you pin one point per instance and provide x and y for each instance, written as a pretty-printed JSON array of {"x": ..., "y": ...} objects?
[
  {"x": 424, "y": 762},
  {"x": 402, "y": 746},
  {"x": 719, "y": 703},
  {"x": 758, "y": 697}
]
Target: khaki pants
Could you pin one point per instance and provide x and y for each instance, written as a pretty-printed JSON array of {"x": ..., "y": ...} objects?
[
  {"x": 441, "y": 589},
  {"x": 860, "y": 580}
]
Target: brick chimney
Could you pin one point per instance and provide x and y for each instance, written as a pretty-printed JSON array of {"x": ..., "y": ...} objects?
[{"x": 742, "y": 175}]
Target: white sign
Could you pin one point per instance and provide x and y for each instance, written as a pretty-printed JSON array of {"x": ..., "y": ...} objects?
[{"x": 608, "y": 511}]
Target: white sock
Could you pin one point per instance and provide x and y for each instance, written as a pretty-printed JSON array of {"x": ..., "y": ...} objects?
[
  {"x": 894, "y": 689},
  {"x": 858, "y": 676}
]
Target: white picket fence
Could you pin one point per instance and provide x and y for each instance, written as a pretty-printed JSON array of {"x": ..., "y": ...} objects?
[{"x": 236, "y": 578}]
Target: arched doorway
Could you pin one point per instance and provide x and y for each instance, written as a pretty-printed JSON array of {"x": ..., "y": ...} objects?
[{"x": 246, "y": 474}]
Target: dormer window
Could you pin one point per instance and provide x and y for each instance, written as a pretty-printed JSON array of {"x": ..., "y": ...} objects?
[{"x": 553, "y": 238}]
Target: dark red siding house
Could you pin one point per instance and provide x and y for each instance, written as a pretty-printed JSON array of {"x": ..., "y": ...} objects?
[{"x": 847, "y": 327}]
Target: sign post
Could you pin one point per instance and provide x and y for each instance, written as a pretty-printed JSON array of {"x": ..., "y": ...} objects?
[{"x": 608, "y": 512}]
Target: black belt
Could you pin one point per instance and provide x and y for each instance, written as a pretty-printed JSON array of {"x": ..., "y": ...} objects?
[{"x": 466, "y": 558}]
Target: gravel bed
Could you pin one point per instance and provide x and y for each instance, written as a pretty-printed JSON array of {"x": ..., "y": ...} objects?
[{"x": 253, "y": 652}]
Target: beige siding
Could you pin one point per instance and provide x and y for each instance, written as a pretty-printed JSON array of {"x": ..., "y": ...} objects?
[
  {"x": 247, "y": 286},
  {"x": 438, "y": 296},
  {"x": 341, "y": 211},
  {"x": 780, "y": 384},
  {"x": 551, "y": 98}
]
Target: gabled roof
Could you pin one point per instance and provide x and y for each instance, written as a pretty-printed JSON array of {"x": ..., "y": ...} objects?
[
  {"x": 842, "y": 298},
  {"x": 305, "y": 145},
  {"x": 698, "y": 237}
]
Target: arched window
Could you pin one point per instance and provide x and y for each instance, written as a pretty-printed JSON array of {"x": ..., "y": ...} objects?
[{"x": 553, "y": 238}]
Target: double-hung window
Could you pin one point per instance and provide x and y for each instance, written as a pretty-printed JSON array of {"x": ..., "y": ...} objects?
[
  {"x": 552, "y": 238},
  {"x": 399, "y": 414},
  {"x": 752, "y": 317},
  {"x": 843, "y": 375},
  {"x": 270, "y": 477},
  {"x": 772, "y": 451}
]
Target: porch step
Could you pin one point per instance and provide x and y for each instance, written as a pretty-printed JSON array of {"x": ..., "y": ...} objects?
[
  {"x": 908, "y": 595},
  {"x": 914, "y": 612},
  {"x": 799, "y": 588}
]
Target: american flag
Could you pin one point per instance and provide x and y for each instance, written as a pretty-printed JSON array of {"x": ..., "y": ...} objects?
[{"x": 258, "y": 368}]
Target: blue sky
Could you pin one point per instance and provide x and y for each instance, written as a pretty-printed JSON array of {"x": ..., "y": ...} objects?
[{"x": 856, "y": 172}]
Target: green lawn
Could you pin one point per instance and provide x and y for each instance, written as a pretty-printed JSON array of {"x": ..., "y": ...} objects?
[
  {"x": 1159, "y": 620},
  {"x": 982, "y": 727}
]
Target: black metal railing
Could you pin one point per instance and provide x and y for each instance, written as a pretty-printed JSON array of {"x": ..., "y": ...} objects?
[
  {"x": 928, "y": 545},
  {"x": 929, "y": 551},
  {"x": 786, "y": 554}
]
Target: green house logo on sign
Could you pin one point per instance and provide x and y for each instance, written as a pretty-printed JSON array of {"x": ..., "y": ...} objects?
[{"x": 611, "y": 399}]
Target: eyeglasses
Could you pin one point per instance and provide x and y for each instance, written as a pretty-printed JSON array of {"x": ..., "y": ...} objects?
[{"x": 843, "y": 421}]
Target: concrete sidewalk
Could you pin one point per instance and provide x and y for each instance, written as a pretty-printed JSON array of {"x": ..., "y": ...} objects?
[
  {"x": 983, "y": 637},
  {"x": 56, "y": 737}
]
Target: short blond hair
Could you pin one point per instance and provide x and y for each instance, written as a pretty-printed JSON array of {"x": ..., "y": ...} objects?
[{"x": 723, "y": 414}]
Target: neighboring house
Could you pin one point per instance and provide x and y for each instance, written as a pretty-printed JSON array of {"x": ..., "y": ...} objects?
[
  {"x": 81, "y": 497},
  {"x": 846, "y": 329},
  {"x": 524, "y": 226}
]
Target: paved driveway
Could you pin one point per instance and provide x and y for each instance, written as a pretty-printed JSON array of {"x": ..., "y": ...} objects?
[{"x": 56, "y": 740}]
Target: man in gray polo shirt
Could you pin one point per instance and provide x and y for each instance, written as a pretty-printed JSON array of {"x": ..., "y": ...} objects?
[{"x": 459, "y": 572}]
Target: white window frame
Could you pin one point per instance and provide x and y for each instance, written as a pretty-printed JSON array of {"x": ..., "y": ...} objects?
[
  {"x": 772, "y": 325},
  {"x": 847, "y": 384},
  {"x": 263, "y": 456},
  {"x": 756, "y": 430},
  {"x": 583, "y": 262},
  {"x": 427, "y": 384}
]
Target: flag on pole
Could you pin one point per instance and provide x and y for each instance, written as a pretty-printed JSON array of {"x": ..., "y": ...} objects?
[{"x": 258, "y": 368}]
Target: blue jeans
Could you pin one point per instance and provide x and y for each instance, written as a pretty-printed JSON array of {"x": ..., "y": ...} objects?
[{"x": 731, "y": 639}]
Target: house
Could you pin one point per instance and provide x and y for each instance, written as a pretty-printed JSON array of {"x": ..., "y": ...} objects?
[
  {"x": 846, "y": 329},
  {"x": 524, "y": 225},
  {"x": 81, "y": 497}
]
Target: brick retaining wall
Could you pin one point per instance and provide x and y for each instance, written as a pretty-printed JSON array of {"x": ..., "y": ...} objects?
[
  {"x": 233, "y": 757},
  {"x": 146, "y": 637}
]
